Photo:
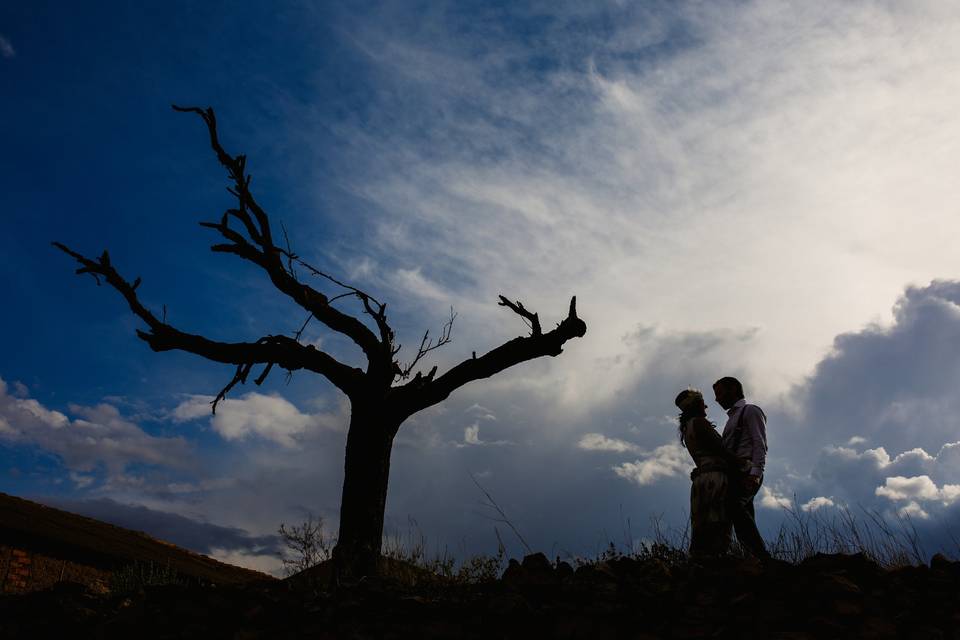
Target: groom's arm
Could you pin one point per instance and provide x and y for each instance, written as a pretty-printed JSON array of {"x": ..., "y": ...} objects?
[{"x": 755, "y": 427}]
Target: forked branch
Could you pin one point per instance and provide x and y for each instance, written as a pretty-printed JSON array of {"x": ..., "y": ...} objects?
[
  {"x": 427, "y": 345},
  {"x": 269, "y": 350},
  {"x": 260, "y": 249},
  {"x": 423, "y": 392},
  {"x": 518, "y": 308}
]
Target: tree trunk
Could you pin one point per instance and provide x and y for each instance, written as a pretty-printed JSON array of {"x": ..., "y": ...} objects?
[{"x": 366, "y": 474}]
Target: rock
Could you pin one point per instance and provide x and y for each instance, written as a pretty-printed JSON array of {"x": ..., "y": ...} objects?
[
  {"x": 537, "y": 562},
  {"x": 513, "y": 574},
  {"x": 940, "y": 562},
  {"x": 828, "y": 597},
  {"x": 858, "y": 566},
  {"x": 535, "y": 570},
  {"x": 599, "y": 572}
]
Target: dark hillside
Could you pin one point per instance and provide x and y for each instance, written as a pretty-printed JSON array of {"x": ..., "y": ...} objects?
[{"x": 40, "y": 545}]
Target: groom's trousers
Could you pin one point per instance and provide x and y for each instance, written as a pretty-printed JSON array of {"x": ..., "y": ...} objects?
[{"x": 744, "y": 520}]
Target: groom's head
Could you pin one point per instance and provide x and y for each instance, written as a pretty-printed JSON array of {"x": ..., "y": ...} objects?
[{"x": 727, "y": 391}]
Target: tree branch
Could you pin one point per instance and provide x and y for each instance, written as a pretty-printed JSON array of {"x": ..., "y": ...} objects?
[
  {"x": 268, "y": 256},
  {"x": 519, "y": 309},
  {"x": 425, "y": 391},
  {"x": 427, "y": 345},
  {"x": 280, "y": 350}
]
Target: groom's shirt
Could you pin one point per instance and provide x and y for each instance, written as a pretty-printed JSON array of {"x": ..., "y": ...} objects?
[{"x": 753, "y": 435}]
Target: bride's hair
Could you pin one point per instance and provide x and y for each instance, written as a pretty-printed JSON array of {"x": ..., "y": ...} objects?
[{"x": 686, "y": 401}]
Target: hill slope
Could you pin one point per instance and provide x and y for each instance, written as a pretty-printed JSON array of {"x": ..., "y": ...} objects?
[{"x": 37, "y": 538}]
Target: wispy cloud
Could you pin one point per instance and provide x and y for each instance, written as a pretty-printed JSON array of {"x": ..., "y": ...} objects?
[{"x": 656, "y": 177}]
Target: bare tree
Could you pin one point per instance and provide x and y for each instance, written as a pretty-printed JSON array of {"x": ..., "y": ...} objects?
[{"x": 382, "y": 396}]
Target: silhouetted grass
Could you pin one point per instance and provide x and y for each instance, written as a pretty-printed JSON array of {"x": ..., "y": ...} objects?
[
  {"x": 135, "y": 576},
  {"x": 891, "y": 542}
]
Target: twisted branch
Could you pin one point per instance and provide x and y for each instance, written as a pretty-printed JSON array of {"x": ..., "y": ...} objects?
[
  {"x": 269, "y": 350},
  {"x": 261, "y": 250},
  {"x": 425, "y": 391}
]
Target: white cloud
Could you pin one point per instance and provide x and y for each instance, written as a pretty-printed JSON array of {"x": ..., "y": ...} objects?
[
  {"x": 855, "y": 440},
  {"x": 771, "y": 499},
  {"x": 253, "y": 414},
  {"x": 99, "y": 435},
  {"x": 471, "y": 437},
  {"x": 600, "y": 442},
  {"x": 665, "y": 461},
  {"x": 913, "y": 510},
  {"x": 817, "y": 503},
  {"x": 6, "y": 48},
  {"x": 481, "y": 412},
  {"x": 917, "y": 488}
]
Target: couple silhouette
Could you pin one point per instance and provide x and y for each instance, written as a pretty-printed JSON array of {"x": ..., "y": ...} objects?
[{"x": 729, "y": 469}]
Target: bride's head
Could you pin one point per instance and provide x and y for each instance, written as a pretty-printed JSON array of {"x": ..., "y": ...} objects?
[{"x": 691, "y": 404}]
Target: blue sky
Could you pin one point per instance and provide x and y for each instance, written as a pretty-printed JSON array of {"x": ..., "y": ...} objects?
[{"x": 762, "y": 189}]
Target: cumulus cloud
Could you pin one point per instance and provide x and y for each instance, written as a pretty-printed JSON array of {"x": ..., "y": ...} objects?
[
  {"x": 861, "y": 475},
  {"x": 900, "y": 488},
  {"x": 817, "y": 503},
  {"x": 600, "y": 442},
  {"x": 913, "y": 510},
  {"x": 665, "y": 461},
  {"x": 893, "y": 384},
  {"x": 253, "y": 414},
  {"x": 771, "y": 499},
  {"x": 97, "y": 436},
  {"x": 918, "y": 488}
]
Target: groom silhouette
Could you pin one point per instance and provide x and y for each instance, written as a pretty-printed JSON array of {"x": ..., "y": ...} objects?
[{"x": 745, "y": 437}]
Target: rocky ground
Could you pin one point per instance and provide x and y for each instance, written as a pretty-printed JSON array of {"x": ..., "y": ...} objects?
[{"x": 827, "y": 596}]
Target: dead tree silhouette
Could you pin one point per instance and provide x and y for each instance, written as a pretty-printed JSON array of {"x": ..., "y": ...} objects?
[{"x": 382, "y": 396}]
